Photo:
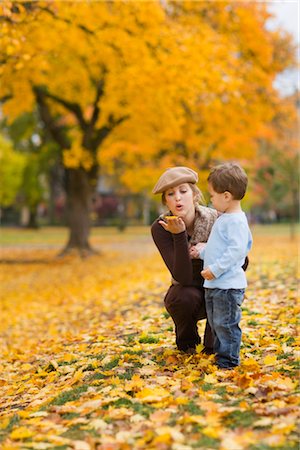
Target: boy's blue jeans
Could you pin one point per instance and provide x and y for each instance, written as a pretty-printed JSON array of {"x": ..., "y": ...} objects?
[{"x": 223, "y": 308}]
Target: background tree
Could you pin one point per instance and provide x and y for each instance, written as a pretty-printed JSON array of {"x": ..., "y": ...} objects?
[
  {"x": 11, "y": 172},
  {"x": 140, "y": 85},
  {"x": 276, "y": 171},
  {"x": 225, "y": 105},
  {"x": 41, "y": 160}
]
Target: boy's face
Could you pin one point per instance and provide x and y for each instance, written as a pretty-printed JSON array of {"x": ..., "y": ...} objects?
[{"x": 219, "y": 201}]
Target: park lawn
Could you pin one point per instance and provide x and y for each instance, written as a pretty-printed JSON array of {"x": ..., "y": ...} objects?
[
  {"x": 57, "y": 236},
  {"x": 88, "y": 358}
]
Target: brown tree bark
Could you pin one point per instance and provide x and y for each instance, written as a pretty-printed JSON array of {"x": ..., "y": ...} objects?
[
  {"x": 78, "y": 212},
  {"x": 78, "y": 182}
]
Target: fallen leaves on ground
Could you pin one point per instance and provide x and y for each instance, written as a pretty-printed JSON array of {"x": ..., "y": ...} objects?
[{"x": 88, "y": 359}]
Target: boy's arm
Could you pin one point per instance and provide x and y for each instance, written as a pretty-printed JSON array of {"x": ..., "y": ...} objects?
[{"x": 197, "y": 251}]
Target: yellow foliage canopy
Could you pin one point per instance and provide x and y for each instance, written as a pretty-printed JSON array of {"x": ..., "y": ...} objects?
[{"x": 164, "y": 82}]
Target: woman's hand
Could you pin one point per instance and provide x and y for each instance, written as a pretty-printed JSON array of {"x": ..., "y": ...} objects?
[{"x": 174, "y": 225}]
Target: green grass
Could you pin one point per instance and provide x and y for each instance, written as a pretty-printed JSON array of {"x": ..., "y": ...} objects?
[
  {"x": 69, "y": 396},
  {"x": 277, "y": 229},
  {"x": 57, "y": 236},
  {"x": 148, "y": 340},
  {"x": 14, "y": 421},
  {"x": 240, "y": 419}
]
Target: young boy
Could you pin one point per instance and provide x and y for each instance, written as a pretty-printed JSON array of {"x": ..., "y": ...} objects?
[{"x": 224, "y": 253}]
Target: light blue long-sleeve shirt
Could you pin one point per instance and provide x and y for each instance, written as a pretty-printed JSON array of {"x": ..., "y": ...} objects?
[{"x": 227, "y": 247}]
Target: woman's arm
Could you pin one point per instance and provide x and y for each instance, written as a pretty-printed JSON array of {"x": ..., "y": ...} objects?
[{"x": 175, "y": 253}]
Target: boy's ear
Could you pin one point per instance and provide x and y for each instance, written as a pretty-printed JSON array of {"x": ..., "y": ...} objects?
[{"x": 228, "y": 195}]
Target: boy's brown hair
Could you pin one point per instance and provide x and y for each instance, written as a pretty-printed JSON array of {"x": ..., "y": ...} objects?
[{"x": 229, "y": 177}]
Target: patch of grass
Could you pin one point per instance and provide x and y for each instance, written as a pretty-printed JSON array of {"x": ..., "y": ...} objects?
[
  {"x": 173, "y": 419},
  {"x": 285, "y": 446},
  {"x": 247, "y": 311},
  {"x": 207, "y": 387},
  {"x": 193, "y": 409},
  {"x": 123, "y": 402},
  {"x": 75, "y": 433},
  {"x": 160, "y": 362},
  {"x": 70, "y": 396},
  {"x": 126, "y": 375},
  {"x": 60, "y": 447},
  {"x": 98, "y": 357},
  {"x": 222, "y": 390},
  {"x": 12, "y": 423},
  {"x": 69, "y": 416},
  {"x": 252, "y": 322},
  {"x": 132, "y": 352},
  {"x": 113, "y": 363},
  {"x": 144, "y": 410},
  {"x": 223, "y": 395},
  {"x": 97, "y": 376},
  {"x": 290, "y": 340},
  {"x": 130, "y": 338},
  {"x": 67, "y": 363},
  {"x": 285, "y": 356},
  {"x": 166, "y": 315},
  {"x": 58, "y": 235},
  {"x": 138, "y": 408},
  {"x": 148, "y": 340},
  {"x": 240, "y": 419},
  {"x": 206, "y": 442},
  {"x": 89, "y": 368}
]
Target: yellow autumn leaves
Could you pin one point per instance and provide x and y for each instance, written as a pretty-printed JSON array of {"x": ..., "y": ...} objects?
[{"x": 88, "y": 359}]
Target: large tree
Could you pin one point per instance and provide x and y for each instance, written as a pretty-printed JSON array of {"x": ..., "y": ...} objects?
[
  {"x": 133, "y": 87},
  {"x": 276, "y": 170}
]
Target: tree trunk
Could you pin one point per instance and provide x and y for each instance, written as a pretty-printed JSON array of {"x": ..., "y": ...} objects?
[
  {"x": 78, "y": 210},
  {"x": 295, "y": 213},
  {"x": 56, "y": 192},
  {"x": 146, "y": 210},
  {"x": 32, "y": 223}
]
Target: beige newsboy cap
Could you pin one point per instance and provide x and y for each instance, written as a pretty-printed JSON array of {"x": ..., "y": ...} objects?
[{"x": 174, "y": 176}]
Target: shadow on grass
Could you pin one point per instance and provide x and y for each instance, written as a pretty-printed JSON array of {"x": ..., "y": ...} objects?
[{"x": 28, "y": 261}]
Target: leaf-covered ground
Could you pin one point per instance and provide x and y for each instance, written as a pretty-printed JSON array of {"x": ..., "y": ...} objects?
[{"x": 88, "y": 360}]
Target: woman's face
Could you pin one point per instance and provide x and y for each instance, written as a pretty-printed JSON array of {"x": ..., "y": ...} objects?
[{"x": 180, "y": 200}]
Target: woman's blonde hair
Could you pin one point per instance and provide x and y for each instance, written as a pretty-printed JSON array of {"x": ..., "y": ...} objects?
[{"x": 198, "y": 196}]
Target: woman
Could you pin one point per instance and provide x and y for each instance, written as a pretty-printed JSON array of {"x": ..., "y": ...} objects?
[{"x": 175, "y": 238}]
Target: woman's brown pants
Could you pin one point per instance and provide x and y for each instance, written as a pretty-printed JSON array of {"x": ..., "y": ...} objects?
[{"x": 186, "y": 305}]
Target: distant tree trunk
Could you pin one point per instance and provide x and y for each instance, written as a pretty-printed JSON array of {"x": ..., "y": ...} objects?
[
  {"x": 56, "y": 189},
  {"x": 78, "y": 209},
  {"x": 32, "y": 223},
  {"x": 122, "y": 213},
  {"x": 146, "y": 210},
  {"x": 295, "y": 213}
]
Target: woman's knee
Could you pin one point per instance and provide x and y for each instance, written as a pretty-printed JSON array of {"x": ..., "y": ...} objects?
[{"x": 186, "y": 300}]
